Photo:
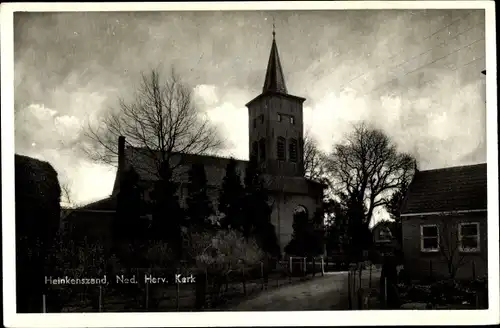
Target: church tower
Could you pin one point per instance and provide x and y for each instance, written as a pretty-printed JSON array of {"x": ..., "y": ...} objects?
[{"x": 276, "y": 126}]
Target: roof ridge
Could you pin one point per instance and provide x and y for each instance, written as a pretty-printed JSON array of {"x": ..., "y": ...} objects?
[
  {"x": 453, "y": 167},
  {"x": 198, "y": 155}
]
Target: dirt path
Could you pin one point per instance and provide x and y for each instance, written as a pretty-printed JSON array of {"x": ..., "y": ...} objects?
[{"x": 322, "y": 293}]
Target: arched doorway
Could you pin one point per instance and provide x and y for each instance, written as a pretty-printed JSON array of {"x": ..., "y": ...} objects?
[{"x": 300, "y": 209}]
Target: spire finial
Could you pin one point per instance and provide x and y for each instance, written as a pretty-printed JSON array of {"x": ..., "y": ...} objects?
[{"x": 274, "y": 30}]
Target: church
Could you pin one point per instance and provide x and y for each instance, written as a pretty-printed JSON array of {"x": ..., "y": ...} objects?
[{"x": 275, "y": 130}]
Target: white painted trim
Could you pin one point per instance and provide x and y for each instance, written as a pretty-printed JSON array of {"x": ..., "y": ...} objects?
[
  {"x": 444, "y": 212},
  {"x": 429, "y": 250},
  {"x": 469, "y": 250}
]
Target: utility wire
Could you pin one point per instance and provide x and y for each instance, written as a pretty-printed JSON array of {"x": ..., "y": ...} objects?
[
  {"x": 418, "y": 68},
  {"x": 425, "y": 38},
  {"x": 400, "y": 52},
  {"x": 429, "y": 50}
]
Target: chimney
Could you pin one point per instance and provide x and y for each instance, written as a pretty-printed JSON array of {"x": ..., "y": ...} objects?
[
  {"x": 121, "y": 153},
  {"x": 121, "y": 164}
]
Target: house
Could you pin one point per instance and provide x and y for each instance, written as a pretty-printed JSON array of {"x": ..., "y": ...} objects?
[
  {"x": 275, "y": 131},
  {"x": 382, "y": 233},
  {"x": 384, "y": 241},
  {"x": 37, "y": 196},
  {"x": 444, "y": 223}
]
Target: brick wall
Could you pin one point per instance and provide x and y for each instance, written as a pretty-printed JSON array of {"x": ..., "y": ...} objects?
[{"x": 418, "y": 263}]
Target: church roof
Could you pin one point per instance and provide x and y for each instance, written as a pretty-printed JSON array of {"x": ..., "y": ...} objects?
[
  {"x": 215, "y": 167},
  {"x": 275, "y": 80},
  {"x": 274, "y": 83}
]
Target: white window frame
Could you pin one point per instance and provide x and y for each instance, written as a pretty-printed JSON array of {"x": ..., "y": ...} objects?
[
  {"x": 429, "y": 250},
  {"x": 469, "y": 250}
]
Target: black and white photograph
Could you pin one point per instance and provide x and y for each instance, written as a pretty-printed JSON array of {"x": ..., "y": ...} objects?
[{"x": 249, "y": 164}]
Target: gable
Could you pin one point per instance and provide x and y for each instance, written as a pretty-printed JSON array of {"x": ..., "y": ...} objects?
[{"x": 449, "y": 189}]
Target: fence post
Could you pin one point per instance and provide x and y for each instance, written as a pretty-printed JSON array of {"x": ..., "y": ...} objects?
[
  {"x": 385, "y": 292},
  {"x": 262, "y": 273},
  {"x": 244, "y": 282},
  {"x": 359, "y": 295},
  {"x": 147, "y": 296},
  {"x": 100, "y": 298},
  {"x": 349, "y": 297},
  {"x": 44, "y": 304},
  {"x": 314, "y": 266},
  {"x": 305, "y": 264},
  {"x": 430, "y": 269},
  {"x": 370, "y": 279},
  {"x": 322, "y": 266},
  {"x": 360, "y": 273},
  {"x": 290, "y": 275},
  {"x": 473, "y": 270},
  {"x": 177, "y": 294}
]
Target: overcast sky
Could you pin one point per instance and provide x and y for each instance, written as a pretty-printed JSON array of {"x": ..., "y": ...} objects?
[{"x": 415, "y": 74}]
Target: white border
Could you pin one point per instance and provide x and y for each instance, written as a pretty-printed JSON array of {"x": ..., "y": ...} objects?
[{"x": 11, "y": 319}]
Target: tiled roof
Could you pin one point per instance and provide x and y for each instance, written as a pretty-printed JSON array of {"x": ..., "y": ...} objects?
[
  {"x": 448, "y": 189},
  {"x": 215, "y": 168},
  {"x": 145, "y": 165},
  {"x": 106, "y": 204}
]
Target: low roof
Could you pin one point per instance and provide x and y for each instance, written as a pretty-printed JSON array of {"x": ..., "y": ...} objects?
[
  {"x": 106, "y": 204},
  {"x": 448, "y": 189}
]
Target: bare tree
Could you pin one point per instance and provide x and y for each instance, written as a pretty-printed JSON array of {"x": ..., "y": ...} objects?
[
  {"x": 313, "y": 159},
  {"x": 367, "y": 168},
  {"x": 161, "y": 119},
  {"x": 66, "y": 195},
  {"x": 449, "y": 246}
]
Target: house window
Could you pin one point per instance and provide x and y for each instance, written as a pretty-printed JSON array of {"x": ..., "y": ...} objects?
[
  {"x": 280, "y": 118},
  {"x": 292, "y": 119},
  {"x": 281, "y": 148},
  {"x": 469, "y": 237},
  {"x": 262, "y": 147},
  {"x": 254, "y": 123},
  {"x": 429, "y": 238},
  {"x": 292, "y": 150},
  {"x": 385, "y": 234},
  {"x": 261, "y": 118}
]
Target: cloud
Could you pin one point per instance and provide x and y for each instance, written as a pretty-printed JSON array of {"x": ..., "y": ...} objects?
[
  {"x": 351, "y": 66},
  {"x": 44, "y": 134},
  {"x": 206, "y": 95},
  {"x": 231, "y": 116}
]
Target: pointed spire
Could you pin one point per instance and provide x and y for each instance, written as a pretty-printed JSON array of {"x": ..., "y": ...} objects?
[{"x": 275, "y": 81}]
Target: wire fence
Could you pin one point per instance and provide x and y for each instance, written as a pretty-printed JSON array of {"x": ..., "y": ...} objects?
[
  {"x": 363, "y": 282},
  {"x": 369, "y": 289},
  {"x": 149, "y": 290}
]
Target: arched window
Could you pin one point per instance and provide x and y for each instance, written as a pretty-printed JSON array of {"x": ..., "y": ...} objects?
[
  {"x": 300, "y": 209},
  {"x": 255, "y": 149},
  {"x": 292, "y": 150},
  {"x": 280, "y": 148},
  {"x": 262, "y": 148},
  {"x": 300, "y": 215}
]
